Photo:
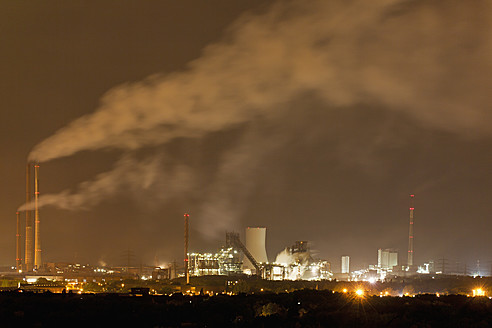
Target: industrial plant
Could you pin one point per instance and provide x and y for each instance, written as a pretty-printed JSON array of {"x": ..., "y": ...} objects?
[
  {"x": 234, "y": 259},
  {"x": 293, "y": 263}
]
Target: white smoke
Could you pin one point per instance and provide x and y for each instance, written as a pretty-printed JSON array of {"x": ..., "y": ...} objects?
[
  {"x": 285, "y": 257},
  {"x": 296, "y": 264},
  {"x": 128, "y": 175},
  {"x": 431, "y": 60}
]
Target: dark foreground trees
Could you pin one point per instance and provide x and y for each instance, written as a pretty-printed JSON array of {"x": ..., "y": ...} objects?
[{"x": 306, "y": 308}]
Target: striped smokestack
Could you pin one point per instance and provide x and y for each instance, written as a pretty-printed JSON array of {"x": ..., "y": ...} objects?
[
  {"x": 37, "y": 240},
  {"x": 187, "y": 272},
  {"x": 410, "y": 234},
  {"x": 29, "y": 246},
  {"x": 18, "y": 252}
]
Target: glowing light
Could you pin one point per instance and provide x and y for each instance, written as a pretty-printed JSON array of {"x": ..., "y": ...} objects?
[
  {"x": 372, "y": 280},
  {"x": 478, "y": 292},
  {"x": 345, "y": 290},
  {"x": 359, "y": 292}
]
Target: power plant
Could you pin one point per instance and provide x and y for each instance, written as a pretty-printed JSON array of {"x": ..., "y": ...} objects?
[
  {"x": 293, "y": 263},
  {"x": 297, "y": 265}
]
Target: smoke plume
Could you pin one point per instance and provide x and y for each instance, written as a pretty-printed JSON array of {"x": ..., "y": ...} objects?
[{"x": 430, "y": 60}]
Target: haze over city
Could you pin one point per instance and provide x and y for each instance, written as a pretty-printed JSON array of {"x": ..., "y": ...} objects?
[{"x": 314, "y": 119}]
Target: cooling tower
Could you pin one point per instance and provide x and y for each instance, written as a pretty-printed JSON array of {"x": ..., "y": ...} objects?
[{"x": 255, "y": 243}]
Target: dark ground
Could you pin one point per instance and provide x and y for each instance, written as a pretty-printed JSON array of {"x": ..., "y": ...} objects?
[{"x": 306, "y": 308}]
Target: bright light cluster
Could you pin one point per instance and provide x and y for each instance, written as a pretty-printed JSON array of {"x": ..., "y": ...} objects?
[{"x": 478, "y": 292}]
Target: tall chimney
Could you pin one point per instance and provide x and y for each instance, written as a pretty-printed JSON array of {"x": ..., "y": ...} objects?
[
  {"x": 29, "y": 246},
  {"x": 187, "y": 273},
  {"x": 37, "y": 239},
  {"x": 18, "y": 252},
  {"x": 410, "y": 234}
]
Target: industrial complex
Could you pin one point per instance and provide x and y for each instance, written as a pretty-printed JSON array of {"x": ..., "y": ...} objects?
[{"x": 234, "y": 258}]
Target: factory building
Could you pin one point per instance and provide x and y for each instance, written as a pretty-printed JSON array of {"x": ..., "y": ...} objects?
[
  {"x": 230, "y": 261},
  {"x": 387, "y": 259},
  {"x": 299, "y": 264},
  {"x": 274, "y": 271},
  {"x": 225, "y": 262},
  {"x": 294, "y": 263},
  {"x": 204, "y": 264}
]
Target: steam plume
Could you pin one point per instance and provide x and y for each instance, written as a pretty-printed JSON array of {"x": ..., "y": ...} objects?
[{"x": 430, "y": 60}]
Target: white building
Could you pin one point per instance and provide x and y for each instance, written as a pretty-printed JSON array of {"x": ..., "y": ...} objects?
[
  {"x": 387, "y": 258},
  {"x": 345, "y": 264}
]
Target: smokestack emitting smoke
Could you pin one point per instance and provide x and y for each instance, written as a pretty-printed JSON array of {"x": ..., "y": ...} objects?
[
  {"x": 395, "y": 55},
  {"x": 37, "y": 240},
  {"x": 29, "y": 245}
]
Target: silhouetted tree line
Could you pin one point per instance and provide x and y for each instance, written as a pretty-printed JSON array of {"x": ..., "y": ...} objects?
[{"x": 304, "y": 308}]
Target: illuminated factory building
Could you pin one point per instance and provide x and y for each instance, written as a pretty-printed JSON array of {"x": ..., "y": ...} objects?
[
  {"x": 294, "y": 263},
  {"x": 387, "y": 259}
]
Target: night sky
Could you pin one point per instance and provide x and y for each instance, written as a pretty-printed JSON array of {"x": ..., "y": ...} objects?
[{"x": 316, "y": 119}]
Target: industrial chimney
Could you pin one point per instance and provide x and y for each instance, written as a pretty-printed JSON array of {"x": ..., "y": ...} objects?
[
  {"x": 37, "y": 240},
  {"x": 410, "y": 234},
  {"x": 18, "y": 252},
  {"x": 29, "y": 246},
  {"x": 187, "y": 272}
]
